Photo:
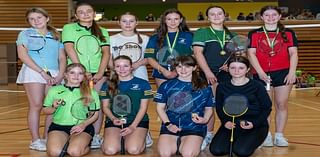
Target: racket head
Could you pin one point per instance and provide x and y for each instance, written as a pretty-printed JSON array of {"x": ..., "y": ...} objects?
[
  {"x": 121, "y": 105},
  {"x": 238, "y": 45},
  {"x": 165, "y": 58},
  {"x": 36, "y": 43},
  {"x": 80, "y": 109},
  {"x": 132, "y": 50},
  {"x": 88, "y": 45},
  {"x": 235, "y": 105},
  {"x": 180, "y": 102}
]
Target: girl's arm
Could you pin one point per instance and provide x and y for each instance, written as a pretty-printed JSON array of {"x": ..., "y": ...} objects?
[
  {"x": 256, "y": 65},
  {"x": 291, "y": 77},
  {"x": 62, "y": 65},
  {"x": 71, "y": 52},
  {"x": 198, "y": 53},
  {"x": 103, "y": 63},
  {"x": 165, "y": 119},
  {"x": 106, "y": 109},
  {"x": 168, "y": 74},
  {"x": 203, "y": 120}
]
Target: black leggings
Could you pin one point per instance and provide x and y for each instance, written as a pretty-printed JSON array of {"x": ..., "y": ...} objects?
[{"x": 245, "y": 142}]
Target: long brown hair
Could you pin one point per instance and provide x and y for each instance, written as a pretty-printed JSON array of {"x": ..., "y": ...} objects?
[
  {"x": 95, "y": 28},
  {"x": 113, "y": 83},
  {"x": 135, "y": 29},
  {"x": 85, "y": 88},
  {"x": 51, "y": 29},
  {"x": 162, "y": 30},
  {"x": 280, "y": 25},
  {"x": 196, "y": 80}
]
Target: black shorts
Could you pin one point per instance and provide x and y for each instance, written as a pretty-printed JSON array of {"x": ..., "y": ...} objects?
[
  {"x": 142, "y": 124},
  {"x": 277, "y": 77},
  {"x": 89, "y": 129},
  {"x": 184, "y": 132}
]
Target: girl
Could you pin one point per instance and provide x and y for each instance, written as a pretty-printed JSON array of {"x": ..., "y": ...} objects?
[
  {"x": 130, "y": 37},
  {"x": 209, "y": 50},
  {"x": 135, "y": 129},
  {"x": 190, "y": 126},
  {"x": 273, "y": 54},
  {"x": 44, "y": 61},
  {"x": 172, "y": 37},
  {"x": 96, "y": 64},
  {"x": 251, "y": 128},
  {"x": 59, "y": 102}
]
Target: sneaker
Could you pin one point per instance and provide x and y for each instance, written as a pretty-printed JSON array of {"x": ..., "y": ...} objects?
[
  {"x": 96, "y": 141},
  {"x": 38, "y": 145},
  {"x": 268, "y": 141},
  {"x": 149, "y": 140},
  {"x": 207, "y": 140},
  {"x": 280, "y": 141}
]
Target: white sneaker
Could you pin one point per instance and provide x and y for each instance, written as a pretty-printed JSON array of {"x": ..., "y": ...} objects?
[
  {"x": 149, "y": 140},
  {"x": 207, "y": 140},
  {"x": 96, "y": 141},
  {"x": 268, "y": 141},
  {"x": 38, "y": 145},
  {"x": 280, "y": 141}
]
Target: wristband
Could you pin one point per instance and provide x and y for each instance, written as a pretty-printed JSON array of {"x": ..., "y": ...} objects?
[{"x": 167, "y": 124}]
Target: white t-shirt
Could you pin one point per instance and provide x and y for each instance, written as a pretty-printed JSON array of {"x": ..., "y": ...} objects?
[{"x": 118, "y": 40}]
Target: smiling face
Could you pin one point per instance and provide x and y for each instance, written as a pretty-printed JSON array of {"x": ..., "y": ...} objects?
[
  {"x": 271, "y": 17},
  {"x": 185, "y": 72},
  {"x": 173, "y": 21},
  {"x": 128, "y": 23},
  {"x": 75, "y": 76},
  {"x": 38, "y": 20},
  {"x": 216, "y": 16},
  {"x": 123, "y": 68},
  {"x": 85, "y": 14}
]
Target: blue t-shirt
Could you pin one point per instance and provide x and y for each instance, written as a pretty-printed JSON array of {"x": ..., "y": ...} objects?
[
  {"x": 136, "y": 89},
  {"x": 176, "y": 92},
  {"x": 182, "y": 45},
  {"x": 46, "y": 55}
]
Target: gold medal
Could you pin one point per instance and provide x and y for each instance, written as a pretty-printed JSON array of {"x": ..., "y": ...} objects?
[{"x": 222, "y": 53}]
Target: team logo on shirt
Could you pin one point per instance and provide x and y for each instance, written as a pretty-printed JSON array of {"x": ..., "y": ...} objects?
[
  {"x": 135, "y": 87},
  {"x": 182, "y": 41}
]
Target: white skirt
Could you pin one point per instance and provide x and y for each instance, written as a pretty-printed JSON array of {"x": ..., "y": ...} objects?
[{"x": 27, "y": 75}]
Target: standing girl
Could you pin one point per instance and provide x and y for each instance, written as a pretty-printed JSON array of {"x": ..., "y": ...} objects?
[
  {"x": 134, "y": 129},
  {"x": 190, "y": 126},
  {"x": 209, "y": 50},
  {"x": 59, "y": 103},
  {"x": 251, "y": 128},
  {"x": 130, "y": 38},
  {"x": 44, "y": 61},
  {"x": 73, "y": 37},
  {"x": 273, "y": 54},
  {"x": 173, "y": 39}
]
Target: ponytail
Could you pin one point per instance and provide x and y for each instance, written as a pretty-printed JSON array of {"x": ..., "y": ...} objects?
[
  {"x": 282, "y": 31},
  {"x": 96, "y": 31}
]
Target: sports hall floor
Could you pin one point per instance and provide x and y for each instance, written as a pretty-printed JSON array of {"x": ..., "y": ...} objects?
[{"x": 303, "y": 128}]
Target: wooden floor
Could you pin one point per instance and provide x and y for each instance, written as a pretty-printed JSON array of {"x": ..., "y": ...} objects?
[{"x": 303, "y": 129}]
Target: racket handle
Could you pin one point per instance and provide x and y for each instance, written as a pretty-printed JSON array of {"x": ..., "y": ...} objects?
[
  {"x": 268, "y": 85},
  {"x": 91, "y": 84},
  {"x": 122, "y": 149},
  {"x": 64, "y": 149}
]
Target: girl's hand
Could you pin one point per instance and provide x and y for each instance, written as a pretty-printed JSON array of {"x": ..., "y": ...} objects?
[
  {"x": 199, "y": 120},
  {"x": 57, "y": 102},
  {"x": 50, "y": 80},
  {"x": 246, "y": 124},
  {"x": 264, "y": 77},
  {"x": 77, "y": 129},
  {"x": 229, "y": 125},
  {"x": 211, "y": 78},
  {"x": 128, "y": 130},
  {"x": 290, "y": 79},
  {"x": 97, "y": 77},
  {"x": 58, "y": 79},
  {"x": 224, "y": 67},
  {"x": 117, "y": 122},
  {"x": 173, "y": 128}
]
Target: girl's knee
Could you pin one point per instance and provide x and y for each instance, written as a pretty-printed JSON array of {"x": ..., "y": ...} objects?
[
  {"x": 109, "y": 150},
  {"x": 135, "y": 150}
]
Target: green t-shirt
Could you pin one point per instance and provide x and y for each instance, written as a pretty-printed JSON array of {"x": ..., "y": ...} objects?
[
  {"x": 62, "y": 115},
  {"x": 73, "y": 32}
]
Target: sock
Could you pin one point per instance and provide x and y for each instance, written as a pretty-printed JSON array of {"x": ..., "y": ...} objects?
[{"x": 278, "y": 134}]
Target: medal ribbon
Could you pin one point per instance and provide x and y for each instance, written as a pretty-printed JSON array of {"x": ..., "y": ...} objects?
[
  {"x": 171, "y": 47},
  {"x": 222, "y": 42},
  {"x": 271, "y": 43}
]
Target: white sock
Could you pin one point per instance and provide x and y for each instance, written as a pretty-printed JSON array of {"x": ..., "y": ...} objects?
[
  {"x": 278, "y": 134},
  {"x": 269, "y": 133}
]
